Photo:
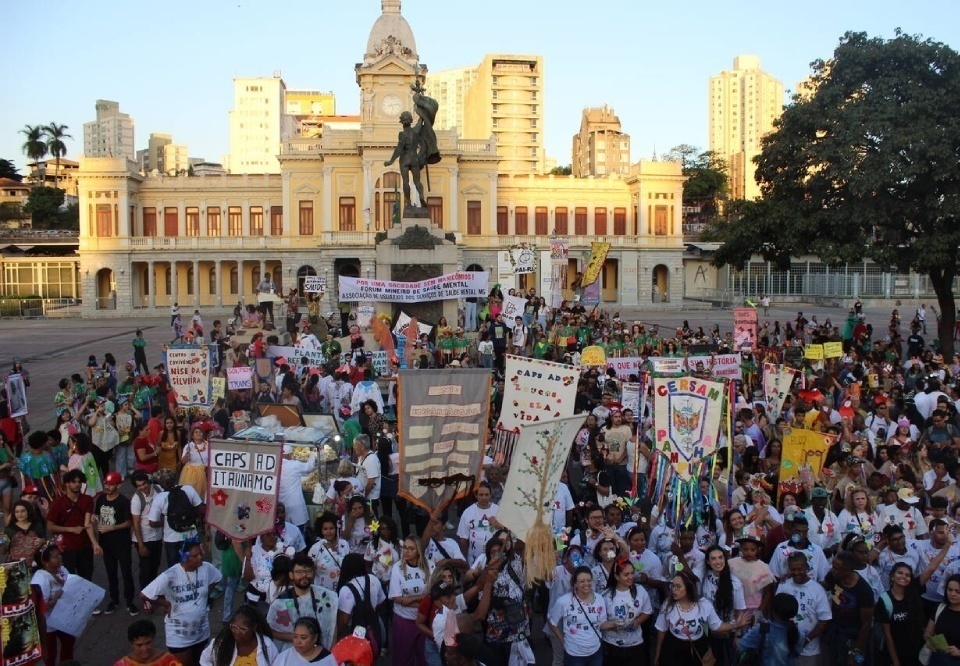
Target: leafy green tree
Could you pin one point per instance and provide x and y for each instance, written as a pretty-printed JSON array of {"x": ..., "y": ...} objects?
[
  {"x": 43, "y": 205},
  {"x": 707, "y": 183},
  {"x": 561, "y": 170},
  {"x": 35, "y": 147},
  {"x": 55, "y": 145},
  {"x": 9, "y": 170},
  {"x": 868, "y": 165}
]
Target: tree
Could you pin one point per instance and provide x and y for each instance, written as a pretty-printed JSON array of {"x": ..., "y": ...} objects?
[
  {"x": 35, "y": 146},
  {"x": 867, "y": 166},
  {"x": 43, "y": 205},
  {"x": 9, "y": 170},
  {"x": 55, "y": 136},
  {"x": 707, "y": 184},
  {"x": 561, "y": 170}
]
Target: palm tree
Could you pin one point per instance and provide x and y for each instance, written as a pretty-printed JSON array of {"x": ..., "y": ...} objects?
[
  {"x": 55, "y": 136},
  {"x": 35, "y": 146}
]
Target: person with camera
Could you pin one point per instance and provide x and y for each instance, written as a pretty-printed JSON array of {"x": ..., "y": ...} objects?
[{"x": 508, "y": 618}]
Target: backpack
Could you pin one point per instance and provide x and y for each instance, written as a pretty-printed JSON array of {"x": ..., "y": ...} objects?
[
  {"x": 364, "y": 615},
  {"x": 181, "y": 515}
]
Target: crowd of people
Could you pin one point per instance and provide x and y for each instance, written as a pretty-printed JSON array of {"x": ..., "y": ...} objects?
[{"x": 854, "y": 566}]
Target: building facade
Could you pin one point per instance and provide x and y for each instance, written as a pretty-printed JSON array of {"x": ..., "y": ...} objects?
[
  {"x": 600, "y": 148},
  {"x": 111, "y": 134},
  {"x": 205, "y": 241},
  {"x": 255, "y": 125},
  {"x": 744, "y": 102}
]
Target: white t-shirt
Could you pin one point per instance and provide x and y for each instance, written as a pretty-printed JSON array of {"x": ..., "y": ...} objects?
[
  {"x": 407, "y": 581},
  {"x": 579, "y": 622},
  {"x": 708, "y": 590},
  {"x": 888, "y": 558},
  {"x": 928, "y": 552},
  {"x": 370, "y": 469},
  {"x": 476, "y": 529},
  {"x": 291, "y": 492},
  {"x": 450, "y": 547},
  {"x": 814, "y": 609},
  {"x": 562, "y": 503},
  {"x": 354, "y": 481},
  {"x": 819, "y": 566},
  {"x": 440, "y": 619},
  {"x": 188, "y": 623},
  {"x": 291, "y": 657},
  {"x": 910, "y": 520},
  {"x": 158, "y": 513},
  {"x": 142, "y": 509},
  {"x": 688, "y": 625},
  {"x": 624, "y": 605},
  {"x": 50, "y": 584},
  {"x": 328, "y": 561},
  {"x": 348, "y": 601}
]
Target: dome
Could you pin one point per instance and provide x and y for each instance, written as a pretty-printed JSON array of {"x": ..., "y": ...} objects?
[{"x": 391, "y": 32}]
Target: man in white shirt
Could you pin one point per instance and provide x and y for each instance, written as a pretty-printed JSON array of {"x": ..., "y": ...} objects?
[
  {"x": 926, "y": 400},
  {"x": 149, "y": 539},
  {"x": 172, "y": 539},
  {"x": 368, "y": 467},
  {"x": 905, "y": 514},
  {"x": 292, "y": 472},
  {"x": 815, "y": 610},
  {"x": 520, "y": 334}
]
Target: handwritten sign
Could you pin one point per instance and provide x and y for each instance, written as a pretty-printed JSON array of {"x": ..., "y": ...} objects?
[
  {"x": 188, "y": 369},
  {"x": 240, "y": 377},
  {"x": 314, "y": 284},
  {"x": 466, "y": 284},
  {"x": 745, "y": 328},
  {"x": 625, "y": 366},
  {"x": 814, "y": 352},
  {"x": 832, "y": 349},
  {"x": 72, "y": 612},
  {"x": 593, "y": 356},
  {"x": 219, "y": 388},
  {"x": 244, "y": 486},
  {"x": 536, "y": 390}
]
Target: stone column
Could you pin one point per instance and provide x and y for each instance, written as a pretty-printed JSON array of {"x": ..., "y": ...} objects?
[
  {"x": 196, "y": 284},
  {"x": 491, "y": 230},
  {"x": 219, "y": 283},
  {"x": 454, "y": 200},
  {"x": 240, "y": 290},
  {"x": 174, "y": 283},
  {"x": 367, "y": 193},
  {"x": 152, "y": 284},
  {"x": 286, "y": 202},
  {"x": 326, "y": 200}
]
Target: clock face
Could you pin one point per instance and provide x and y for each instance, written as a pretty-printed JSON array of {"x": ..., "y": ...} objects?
[{"x": 391, "y": 105}]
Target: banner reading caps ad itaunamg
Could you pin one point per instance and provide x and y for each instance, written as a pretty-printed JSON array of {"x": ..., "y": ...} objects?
[
  {"x": 465, "y": 284},
  {"x": 243, "y": 487},
  {"x": 443, "y": 417}
]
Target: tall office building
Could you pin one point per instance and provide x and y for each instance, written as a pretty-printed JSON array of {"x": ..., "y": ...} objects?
[
  {"x": 255, "y": 125},
  {"x": 600, "y": 148},
  {"x": 164, "y": 156},
  {"x": 111, "y": 134},
  {"x": 744, "y": 102},
  {"x": 449, "y": 88}
]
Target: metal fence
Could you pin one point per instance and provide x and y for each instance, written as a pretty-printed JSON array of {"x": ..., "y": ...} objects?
[
  {"x": 35, "y": 308},
  {"x": 814, "y": 279}
]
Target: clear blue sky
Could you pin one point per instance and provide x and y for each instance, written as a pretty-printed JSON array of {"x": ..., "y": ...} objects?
[{"x": 171, "y": 64}]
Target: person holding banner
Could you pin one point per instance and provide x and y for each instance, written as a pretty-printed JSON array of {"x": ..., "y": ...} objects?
[
  {"x": 195, "y": 460},
  {"x": 50, "y": 577}
]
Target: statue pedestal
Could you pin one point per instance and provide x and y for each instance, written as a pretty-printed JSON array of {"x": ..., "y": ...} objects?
[{"x": 417, "y": 250}]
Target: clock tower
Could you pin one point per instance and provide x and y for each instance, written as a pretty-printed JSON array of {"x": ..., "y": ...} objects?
[{"x": 390, "y": 67}]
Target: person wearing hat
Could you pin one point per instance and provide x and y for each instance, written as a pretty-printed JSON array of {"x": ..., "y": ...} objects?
[
  {"x": 111, "y": 516},
  {"x": 905, "y": 514},
  {"x": 824, "y": 524},
  {"x": 798, "y": 541},
  {"x": 750, "y": 569}
]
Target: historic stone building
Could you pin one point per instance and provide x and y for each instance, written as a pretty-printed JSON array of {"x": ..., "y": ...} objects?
[{"x": 205, "y": 241}]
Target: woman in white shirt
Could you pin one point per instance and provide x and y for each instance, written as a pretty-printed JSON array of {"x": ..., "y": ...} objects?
[
  {"x": 578, "y": 618},
  {"x": 246, "y": 634},
  {"x": 628, "y": 605},
  {"x": 307, "y": 648},
  {"x": 725, "y": 591},
  {"x": 328, "y": 552},
  {"x": 408, "y": 584},
  {"x": 356, "y": 584},
  {"x": 50, "y": 578}
]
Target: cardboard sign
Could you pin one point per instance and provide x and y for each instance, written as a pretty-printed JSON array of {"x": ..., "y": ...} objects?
[
  {"x": 593, "y": 356},
  {"x": 803, "y": 450},
  {"x": 75, "y": 606},
  {"x": 243, "y": 486},
  {"x": 240, "y": 377},
  {"x": 814, "y": 352},
  {"x": 832, "y": 349},
  {"x": 314, "y": 284}
]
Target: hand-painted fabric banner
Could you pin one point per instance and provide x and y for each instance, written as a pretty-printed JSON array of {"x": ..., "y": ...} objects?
[
  {"x": 188, "y": 369},
  {"x": 403, "y": 321},
  {"x": 466, "y": 284},
  {"x": 512, "y": 307},
  {"x": 523, "y": 259},
  {"x": 630, "y": 398},
  {"x": 559, "y": 261},
  {"x": 19, "y": 632},
  {"x": 535, "y": 391},
  {"x": 665, "y": 365},
  {"x": 687, "y": 413},
  {"x": 777, "y": 380},
  {"x": 443, "y": 416},
  {"x": 803, "y": 454},
  {"x": 598, "y": 255},
  {"x": 243, "y": 486},
  {"x": 744, "y": 328}
]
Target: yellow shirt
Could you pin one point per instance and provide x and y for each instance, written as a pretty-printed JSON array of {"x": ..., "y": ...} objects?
[{"x": 249, "y": 660}]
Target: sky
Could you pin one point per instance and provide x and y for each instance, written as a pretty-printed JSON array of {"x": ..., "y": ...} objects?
[{"x": 170, "y": 65}]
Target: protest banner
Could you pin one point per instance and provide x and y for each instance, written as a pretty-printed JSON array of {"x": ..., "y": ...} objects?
[
  {"x": 523, "y": 258},
  {"x": 665, "y": 365},
  {"x": 793, "y": 355},
  {"x": 803, "y": 454},
  {"x": 777, "y": 380},
  {"x": 403, "y": 320},
  {"x": 188, "y": 370},
  {"x": 365, "y": 312},
  {"x": 443, "y": 417},
  {"x": 625, "y": 366},
  {"x": 219, "y": 388},
  {"x": 726, "y": 366},
  {"x": 76, "y": 605},
  {"x": 243, "y": 486},
  {"x": 593, "y": 356},
  {"x": 512, "y": 307},
  {"x": 744, "y": 328},
  {"x": 630, "y": 398},
  {"x": 559, "y": 261},
  {"x": 240, "y": 377},
  {"x": 687, "y": 413},
  {"x": 832, "y": 349},
  {"x": 526, "y": 508},
  {"x": 17, "y": 395},
  {"x": 814, "y": 352},
  {"x": 598, "y": 255},
  {"x": 536, "y": 390},
  {"x": 379, "y": 361},
  {"x": 314, "y": 284},
  {"x": 20, "y": 643},
  {"x": 466, "y": 284}
]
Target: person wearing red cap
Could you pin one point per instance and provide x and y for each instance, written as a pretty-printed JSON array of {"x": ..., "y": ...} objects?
[{"x": 113, "y": 520}]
